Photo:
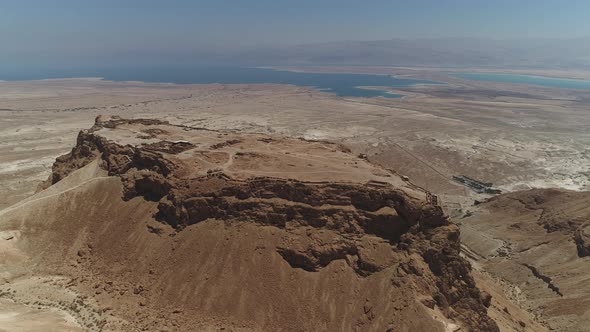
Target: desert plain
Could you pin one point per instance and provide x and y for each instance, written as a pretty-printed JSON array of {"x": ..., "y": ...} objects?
[{"x": 514, "y": 136}]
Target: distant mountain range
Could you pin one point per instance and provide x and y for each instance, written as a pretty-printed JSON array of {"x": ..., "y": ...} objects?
[
  {"x": 440, "y": 52},
  {"x": 564, "y": 53}
]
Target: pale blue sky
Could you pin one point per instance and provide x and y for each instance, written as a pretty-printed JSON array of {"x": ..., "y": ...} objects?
[{"x": 82, "y": 27}]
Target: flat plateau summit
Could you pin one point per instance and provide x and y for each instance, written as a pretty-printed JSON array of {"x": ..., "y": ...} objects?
[{"x": 146, "y": 225}]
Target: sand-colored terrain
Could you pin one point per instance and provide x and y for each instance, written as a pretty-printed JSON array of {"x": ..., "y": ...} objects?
[
  {"x": 515, "y": 136},
  {"x": 536, "y": 243},
  {"x": 152, "y": 226},
  {"x": 515, "y": 139}
]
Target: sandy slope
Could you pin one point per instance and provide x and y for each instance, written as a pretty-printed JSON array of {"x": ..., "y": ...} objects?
[{"x": 527, "y": 239}]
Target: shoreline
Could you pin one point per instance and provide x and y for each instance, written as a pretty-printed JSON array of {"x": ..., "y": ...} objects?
[{"x": 562, "y": 74}]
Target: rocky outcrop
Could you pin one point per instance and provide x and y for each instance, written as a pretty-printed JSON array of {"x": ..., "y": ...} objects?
[
  {"x": 558, "y": 210},
  {"x": 537, "y": 241},
  {"x": 371, "y": 228},
  {"x": 582, "y": 239}
]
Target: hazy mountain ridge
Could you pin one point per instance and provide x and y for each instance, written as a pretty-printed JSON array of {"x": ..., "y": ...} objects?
[
  {"x": 456, "y": 52},
  {"x": 438, "y": 52}
]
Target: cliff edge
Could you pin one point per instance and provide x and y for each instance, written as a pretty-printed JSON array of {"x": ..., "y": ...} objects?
[{"x": 179, "y": 228}]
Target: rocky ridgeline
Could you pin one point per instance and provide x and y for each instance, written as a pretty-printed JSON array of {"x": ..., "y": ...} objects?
[{"x": 421, "y": 246}]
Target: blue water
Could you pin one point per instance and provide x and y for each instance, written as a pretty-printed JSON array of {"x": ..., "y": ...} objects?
[
  {"x": 346, "y": 85},
  {"x": 526, "y": 79}
]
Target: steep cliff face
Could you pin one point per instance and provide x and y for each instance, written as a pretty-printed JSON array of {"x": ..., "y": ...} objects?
[{"x": 313, "y": 205}]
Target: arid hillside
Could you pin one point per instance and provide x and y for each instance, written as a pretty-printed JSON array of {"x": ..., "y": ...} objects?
[
  {"x": 536, "y": 243},
  {"x": 152, "y": 226}
]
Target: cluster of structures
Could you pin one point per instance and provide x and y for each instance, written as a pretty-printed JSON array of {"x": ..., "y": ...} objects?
[{"x": 477, "y": 186}]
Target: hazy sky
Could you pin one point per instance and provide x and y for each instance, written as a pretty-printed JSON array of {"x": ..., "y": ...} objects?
[{"x": 76, "y": 27}]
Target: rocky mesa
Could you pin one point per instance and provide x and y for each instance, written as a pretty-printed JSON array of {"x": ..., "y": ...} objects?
[{"x": 155, "y": 226}]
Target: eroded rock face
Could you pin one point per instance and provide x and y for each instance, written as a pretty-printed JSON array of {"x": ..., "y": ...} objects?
[
  {"x": 582, "y": 238},
  {"x": 538, "y": 240},
  {"x": 373, "y": 228},
  {"x": 559, "y": 211}
]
